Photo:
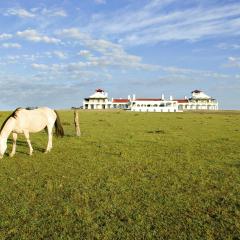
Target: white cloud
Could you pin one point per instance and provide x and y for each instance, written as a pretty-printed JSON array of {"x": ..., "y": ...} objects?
[
  {"x": 100, "y": 45},
  {"x": 54, "y": 12},
  {"x": 60, "y": 54},
  {"x": 40, "y": 66},
  {"x": 151, "y": 23},
  {"x": 114, "y": 55},
  {"x": 227, "y": 46},
  {"x": 74, "y": 33},
  {"x": 85, "y": 53},
  {"x": 100, "y": 1},
  {"x": 20, "y": 12},
  {"x": 233, "y": 62},
  {"x": 38, "y": 89},
  {"x": 13, "y": 58},
  {"x": 11, "y": 45},
  {"x": 34, "y": 36},
  {"x": 35, "y": 12},
  {"x": 5, "y": 36},
  {"x": 111, "y": 54}
]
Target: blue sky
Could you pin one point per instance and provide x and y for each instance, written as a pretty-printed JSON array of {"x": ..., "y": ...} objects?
[{"x": 55, "y": 53}]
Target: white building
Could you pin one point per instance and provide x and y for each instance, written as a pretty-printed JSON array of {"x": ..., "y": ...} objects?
[
  {"x": 198, "y": 101},
  {"x": 99, "y": 100},
  {"x": 121, "y": 103},
  {"x": 153, "y": 105}
]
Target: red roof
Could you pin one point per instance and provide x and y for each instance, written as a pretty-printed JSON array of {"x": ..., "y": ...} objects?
[
  {"x": 148, "y": 99},
  {"x": 196, "y": 91},
  {"x": 120, "y": 100},
  {"x": 99, "y": 90},
  {"x": 181, "y": 100}
]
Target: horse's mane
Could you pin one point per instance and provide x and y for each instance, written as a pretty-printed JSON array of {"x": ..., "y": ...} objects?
[
  {"x": 13, "y": 114},
  {"x": 31, "y": 108}
]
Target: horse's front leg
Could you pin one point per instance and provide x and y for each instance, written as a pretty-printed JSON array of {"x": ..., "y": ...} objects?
[
  {"x": 49, "y": 145},
  {"x": 14, "y": 145},
  {"x": 26, "y": 134}
]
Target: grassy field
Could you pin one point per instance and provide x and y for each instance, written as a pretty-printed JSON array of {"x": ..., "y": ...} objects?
[{"x": 129, "y": 176}]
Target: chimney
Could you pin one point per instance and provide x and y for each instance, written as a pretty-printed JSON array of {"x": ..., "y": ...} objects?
[
  {"x": 185, "y": 97},
  {"x": 171, "y": 98},
  {"x": 129, "y": 97},
  {"x": 162, "y": 96},
  {"x": 134, "y": 97}
]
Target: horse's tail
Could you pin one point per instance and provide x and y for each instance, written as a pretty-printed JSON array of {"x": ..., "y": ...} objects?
[{"x": 58, "y": 126}]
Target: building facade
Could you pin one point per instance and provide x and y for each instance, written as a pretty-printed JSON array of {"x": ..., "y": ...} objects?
[
  {"x": 99, "y": 100},
  {"x": 153, "y": 105},
  {"x": 198, "y": 101}
]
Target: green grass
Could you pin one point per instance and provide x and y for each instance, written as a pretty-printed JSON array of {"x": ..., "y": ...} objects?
[{"x": 129, "y": 176}]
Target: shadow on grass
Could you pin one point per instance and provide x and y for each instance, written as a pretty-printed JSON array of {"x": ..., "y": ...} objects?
[
  {"x": 158, "y": 131},
  {"x": 24, "y": 144},
  {"x": 233, "y": 165}
]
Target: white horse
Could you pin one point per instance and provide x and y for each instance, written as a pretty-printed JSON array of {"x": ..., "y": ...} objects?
[{"x": 29, "y": 121}]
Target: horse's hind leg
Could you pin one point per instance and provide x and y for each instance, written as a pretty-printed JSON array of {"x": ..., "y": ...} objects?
[
  {"x": 49, "y": 145},
  {"x": 14, "y": 145},
  {"x": 26, "y": 134}
]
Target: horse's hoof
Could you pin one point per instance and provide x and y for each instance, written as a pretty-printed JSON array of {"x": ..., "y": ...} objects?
[
  {"x": 11, "y": 155},
  {"x": 47, "y": 151}
]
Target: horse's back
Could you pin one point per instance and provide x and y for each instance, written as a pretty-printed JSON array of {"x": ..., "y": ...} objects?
[
  {"x": 34, "y": 120},
  {"x": 44, "y": 110}
]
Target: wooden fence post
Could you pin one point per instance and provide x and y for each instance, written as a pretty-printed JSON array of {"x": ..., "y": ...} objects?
[{"x": 76, "y": 123}]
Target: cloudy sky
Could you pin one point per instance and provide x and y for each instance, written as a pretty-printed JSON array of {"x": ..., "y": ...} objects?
[{"x": 55, "y": 53}]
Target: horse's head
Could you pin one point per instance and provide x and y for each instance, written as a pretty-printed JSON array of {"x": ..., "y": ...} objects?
[{"x": 3, "y": 147}]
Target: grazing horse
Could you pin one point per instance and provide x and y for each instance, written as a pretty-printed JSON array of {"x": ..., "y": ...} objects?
[{"x": 29, "y": 121}]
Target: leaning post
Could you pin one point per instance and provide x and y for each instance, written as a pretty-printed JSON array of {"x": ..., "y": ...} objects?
[{"x": 76, "y": 123}]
